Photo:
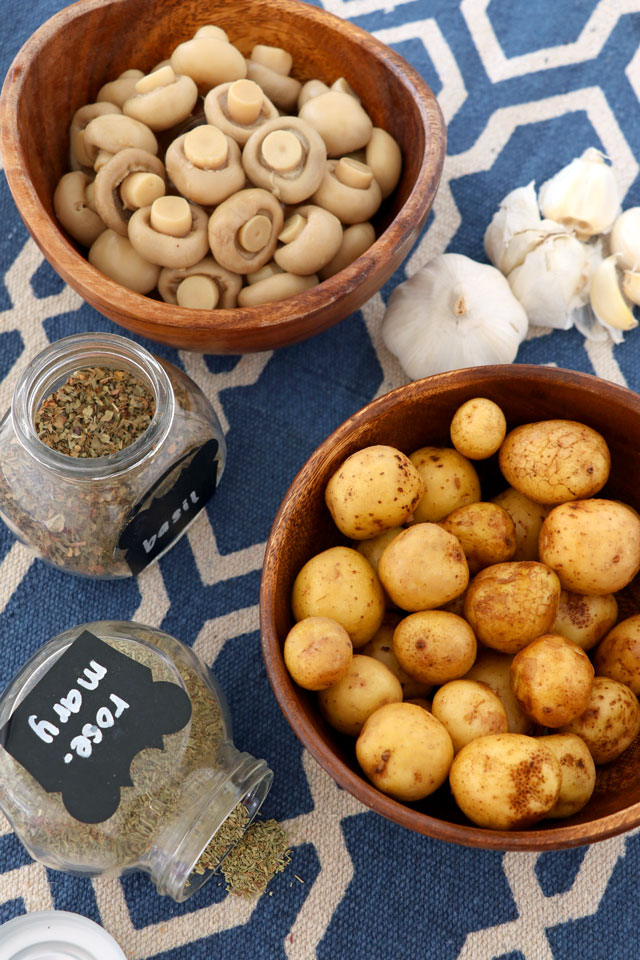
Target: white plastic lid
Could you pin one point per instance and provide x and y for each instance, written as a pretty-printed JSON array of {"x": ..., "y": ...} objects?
[{"x": 56, "y": 935}]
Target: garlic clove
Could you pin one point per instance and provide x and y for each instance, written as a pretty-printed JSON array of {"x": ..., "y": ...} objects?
[
  {"x": 552, "y": 281},
  {"x": 631, "y": 286},
  {"x": 607, "y": 299},
  {"x": 523, "y": 243},
  {"x": 518, "y": 211},
  {"x": 625, "y": 239},
  {"x": 583, "y": 195}
]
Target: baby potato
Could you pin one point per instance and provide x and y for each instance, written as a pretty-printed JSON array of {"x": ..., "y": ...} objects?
[
  {"x": 486, "y": 533},
  {"x": 423, "y": 567},
  {"x": 367, "y": 685},
  {"x": 527, "y": 516},
  {"x": 578, "y": 773},
  {"x": 317, "y": 652},
  {"x": 585, "y": 618},
  {"x": 404, "y": 751},
  {"x": 618, "y": 656},
  {"x": 468, "y": 710},
  {"x": 593, "y": 545},
  {"x": 434, "y": 646},
  {"x": 339, "y": 583},
  {"x": 449, "y": 481},
  {"x": 494, "y": 669},
  {"x": 551, "y": 679},
  {"x": 374, "y": 490},
  {"x": 506, "y": 781},
  {"x": 510, "y": 604},
  {"x": 611, "y": 721},
  {"x": 555, "y": 461},
  {"x": 373, "y": 549},
  {"x": 478, "y": 428},
  {"x": 380, "y": 647}
]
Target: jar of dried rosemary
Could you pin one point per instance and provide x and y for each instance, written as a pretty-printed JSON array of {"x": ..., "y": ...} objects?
[
  {"x": 116, "y": 755},
  {"x": 106, "y": 455}
]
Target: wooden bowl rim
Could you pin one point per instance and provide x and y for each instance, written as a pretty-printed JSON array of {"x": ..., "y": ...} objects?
[
  {"x": 285, "y": 692},
  {"x": 300, "y": 309}
]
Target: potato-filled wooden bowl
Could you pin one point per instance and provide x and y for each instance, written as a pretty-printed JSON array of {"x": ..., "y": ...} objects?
[
  {"x": 64, "y": 64},
  {"x": 408, "y": 418}
]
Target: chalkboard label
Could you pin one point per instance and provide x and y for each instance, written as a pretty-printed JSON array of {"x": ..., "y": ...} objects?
[
  {"x": 81, "y": 725},
  {"x": 153, "y": 529}
]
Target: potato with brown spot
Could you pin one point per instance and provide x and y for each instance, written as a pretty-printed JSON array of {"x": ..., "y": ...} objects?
[
  {"x": 380, "y": 647},
  {"x": 317, "y": 652},
  {"x": 478, "y": 428},
  {"x": 434, "y": 646},
  {"x": 339, "y": 583},
  {"x": 555, "y": 461},
  {"x": 374, "y": 490},
  {"x": 449, "y": 481},
  {"x": 510, "y": 604},
  {"x": 593, "y": 545},
  {"x": 366, "y": 686},
  {"x": 611, "y": 721},
  {"x": 404, "y": 751},
  {"x": 618, "y": 656},
  {"x": 486, "y": 533},
  {"x": 423, "y": 567},
  {"x": 494, "y": 669},
  {"x": 506, "y": 781},
  {"x": 528, "y": 517},
  {"x": 585, "y": 618},
  {"x": 551, "y": 679},
  {"x": 578, "y": 773},
  {"x": 468, "y": 710}
]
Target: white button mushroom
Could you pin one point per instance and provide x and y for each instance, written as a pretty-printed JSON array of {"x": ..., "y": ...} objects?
[
  {"x": 279, "y": 286},
  {"x": 243, "y": 230},
  {"x": 312, "y": 88},
  {"x": 384, "y": 157},
  {"x": 192, "y": 286},
  {"x": 208, "y": 60},
  {"x": 314, "y": 241},
  {"x": 164, "y": 248},
  {"x": 345, "y": 192},
  {"x": 205, "y": 165},
  {"x": 115, "y": 132},
  {"x": 120, "y": 89},
  {"x": 114, "y": 256},
  {"x": 340, "y": 120},
  {"x": 280, "y": 88},
  {"x": 116, "y": 195},
  {"x": 73, "y": 209},
  {"x": 238, "y": 109},
  {"x": 79, "y": 155},
  {"x": 287, "y": 157},
  {"x": 162, "y": 99},
  {"x": 355, "y": 240}
]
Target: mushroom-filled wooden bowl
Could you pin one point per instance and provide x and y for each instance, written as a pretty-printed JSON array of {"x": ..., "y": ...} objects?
[
  {"x": 276, "y": 47},
  {"x": 328, "y": 708}
]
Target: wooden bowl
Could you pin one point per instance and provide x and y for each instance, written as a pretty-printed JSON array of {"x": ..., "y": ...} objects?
[
  {"x": 410, "y": 417},
  {"x": 63, "y": 65}
]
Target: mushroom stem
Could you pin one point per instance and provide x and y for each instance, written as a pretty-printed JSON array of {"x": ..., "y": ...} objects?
[
  {"x": 255, "y": 233},
  {"x": 198, "y": 293},
  {"x": 282, "y": 150},
  {"x": 206, "y": 147},
  {"x": 171, "y": 216},
  {"x": 244, "y": 101},
  {"x": 140, "y": 189}
]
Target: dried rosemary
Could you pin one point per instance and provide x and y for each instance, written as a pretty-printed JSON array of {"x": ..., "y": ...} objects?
[{"x": 258, "y": 855}]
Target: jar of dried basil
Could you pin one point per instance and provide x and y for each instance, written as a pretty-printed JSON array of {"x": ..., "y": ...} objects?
[
  {"x": 106, "y": 455},
  {"x": 116, "y": 755}
]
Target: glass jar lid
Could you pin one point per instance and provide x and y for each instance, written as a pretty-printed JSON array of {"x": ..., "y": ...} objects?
[{"x": 56, "y": 935}]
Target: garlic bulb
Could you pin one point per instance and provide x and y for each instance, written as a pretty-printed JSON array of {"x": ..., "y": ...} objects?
[
  {"x": 521, "y": 244},
  {"x": 625, "y": 239},
  {"x": 607, "y": 299},
  {"x": 453, "y": 313},
  {"x": 583, "y": 195},
  {"x": 552, "y": 281},
  {"x": 518, "y": 211}
]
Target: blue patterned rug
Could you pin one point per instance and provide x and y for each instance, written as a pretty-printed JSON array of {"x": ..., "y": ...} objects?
[{"x": 524, "y": 88}]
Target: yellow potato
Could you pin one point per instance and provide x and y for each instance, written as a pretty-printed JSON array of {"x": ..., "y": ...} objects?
[
  {"x": 339, "y": 583},
  {"x": 593, "y": 545},
  {"x": 434, "y": 646},
  {"x": 449, "y": 481},
  {"x": 551, "y": 679},
  {"x": 578, "y": 773},
  {"x": 555, "y": 461},
  {"x": 585, "y": 618},
  {"x": 527, "y": 516},
  {"x": 423, "y": 567},
  {"x": 506, "y": 781},
  {"x": 486, "y": 533},
  {"x": 618, "y": 656},
  {"x": 510, "y": 604},
  {"x": 611, "y": 721},
  {"x": 404, "y": 751},
  {"x": 494, "y": 669},
  {"x": 374, "y": 490},
  {"x": 380, "y": 647},
  {"x": 317, "y": 652},
  {"x": 468, "y": 710},
  {"x": 366, "y": 686},
  {"x": 478, "y": 428}
]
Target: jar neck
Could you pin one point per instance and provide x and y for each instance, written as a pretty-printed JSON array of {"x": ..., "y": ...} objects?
[
  {"x": 241, "y": 780},
  {"x": 49, "y": 370}
]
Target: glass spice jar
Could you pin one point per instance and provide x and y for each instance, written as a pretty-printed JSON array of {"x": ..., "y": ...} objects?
[
  {"x": 116, "y": 756},
  {"x": 108, "y": 516}
]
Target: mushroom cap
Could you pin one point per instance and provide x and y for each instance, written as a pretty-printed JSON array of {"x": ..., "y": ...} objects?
[
  {"x": 165, "y": 105},
  {"x": 340, "y": 120},
  {"x": 165, "y": 250},
  {"x": 281, "y": 90},
  {"x": 108, "y": 179},
  {"x": 228, "y": 283},
  {"x": 115, "y": 132},
  {"x": 290, "y": 186},
  {"x": 79, "y": 155},
  {"x": 349, "y": 204},
  {"x": 279, "y": 286},
  {"x": 312, "y": 88},
  {"x": 115, "y": 256},
  {"x": 276, "y": 58},
  {"x": 316, "y": 244},
  {"x": 207, "y": 187},
  {"x": 217, "y": 114},
  {"x": 384, "y": 157},
  {"x": 208, "y": 60},
  {"x": 72, "y": 208},
  {"x": 120, "y": 89},
  {"x": 355, "y": 240},
  {"x": 228, "y": 219}
]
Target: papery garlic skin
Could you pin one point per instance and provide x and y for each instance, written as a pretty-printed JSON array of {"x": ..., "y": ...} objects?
[
  {"x": 625, "y": 239},
  {"x": 518, "y": 211},
  {"x": 552, "y": 281},
  {"x": 607, "y": 299},
  {"x": 521, "y": 244},
  {"x": 453, "y": 313},
  {"x": 583, "y": 195}
]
